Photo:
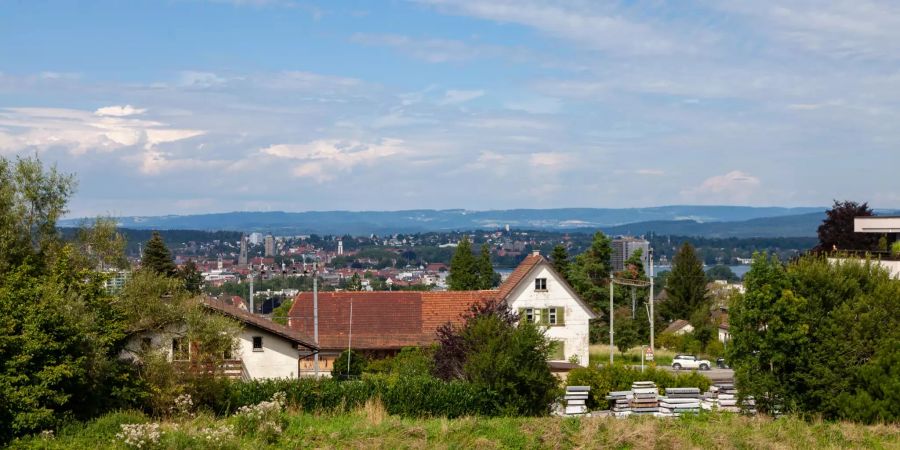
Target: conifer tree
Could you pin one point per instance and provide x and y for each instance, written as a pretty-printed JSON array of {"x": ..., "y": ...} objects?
[
  {"x": 463, "y": 268},
  {"x": 685, "y": 286},
  {"x": 355, "y": 283},
  {"x": 191, "y": 276},
  {"x": 157, "y": 256},
  {"x": 485, "y": 269},
  {"x": 560, "y": 260},
  {"x": 589, "y": 273}
]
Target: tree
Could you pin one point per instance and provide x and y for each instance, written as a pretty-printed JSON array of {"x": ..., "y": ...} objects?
[
  {"x": 508, "y": 359},
  {"x": 157, "y": 257},
  {"x": 355, "y": 283},
  {"x": 685, "y": 286},
  {"x": 819, "y": 337},
  {"x": 589, "y": 273},
  {"x": 721, "y": 272},
  {"x": 191, "y": 277},
  {"x": 463, "y": 268},
  {"x": 627, "y": 333},
  {"x": 357, "y": 365},
  {"x": 836, "y": 231},
  {"x": 485, "y": 268},
  {"x": 560, "y": 260}
]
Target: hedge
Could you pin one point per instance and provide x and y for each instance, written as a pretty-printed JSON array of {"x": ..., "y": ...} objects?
[{"x": 406, "y": 396}]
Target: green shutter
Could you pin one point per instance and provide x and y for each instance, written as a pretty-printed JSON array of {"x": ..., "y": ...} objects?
[
  {"x": 521, "y": 314},
  {"x": 560, "y": 316},
  {"x": 545, "y": 316}
]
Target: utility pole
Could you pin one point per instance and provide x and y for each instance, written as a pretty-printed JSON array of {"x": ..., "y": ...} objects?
[
  {"x": 252, "y": 310},
  {"x": 611, "y": 332},
  {"x": 316, "y": 313},
  {"x": 350, "y": 339},
  {"x": 652, "y": 317}
]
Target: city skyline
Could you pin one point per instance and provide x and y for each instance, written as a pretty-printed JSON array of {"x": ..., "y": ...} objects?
[{"x": 184, "y": 107}]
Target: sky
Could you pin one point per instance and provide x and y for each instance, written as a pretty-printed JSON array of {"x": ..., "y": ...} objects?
[{"x": 193, "y": 106}]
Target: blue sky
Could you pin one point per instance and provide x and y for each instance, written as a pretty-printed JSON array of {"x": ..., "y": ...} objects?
[{"x": 190, "y": 106}]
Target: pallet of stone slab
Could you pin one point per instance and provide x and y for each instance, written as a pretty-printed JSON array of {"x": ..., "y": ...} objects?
[
  {"x": 683, "y": 390},
  {"x": 678, "y": 400},
  {"x": 581, "y": 409}
]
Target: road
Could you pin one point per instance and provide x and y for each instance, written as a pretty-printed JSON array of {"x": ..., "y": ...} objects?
[{"x": 715, "y": 374}]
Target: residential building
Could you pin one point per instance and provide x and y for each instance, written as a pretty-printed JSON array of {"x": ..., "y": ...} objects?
[
  {"x": 384, "y": 322},
  {"x": 624, "y": 247},
  {"x": 264, "y": 349},
  {"x": 270, "y": 245},
  {"x": 888, "y": 226}
]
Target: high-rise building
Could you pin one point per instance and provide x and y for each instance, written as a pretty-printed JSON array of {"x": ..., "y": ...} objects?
[
  {"x": 242, "y": 258},
  {"x": 270, "y": 245},
  {"x": 256, "y": 238},
  {"x": 340, "y": 249},
  {"x": 624, "y": 247}
]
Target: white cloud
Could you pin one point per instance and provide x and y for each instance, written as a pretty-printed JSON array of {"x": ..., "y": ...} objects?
[
  {"x": 119, "y": 111},
  {"x": 550, "y": 161},
  {"x": 651, "y": 172},
  {"x": 453, "y": 97},
  {"x": 321, "y": 159},
  {"x": 732, "y": 187}
]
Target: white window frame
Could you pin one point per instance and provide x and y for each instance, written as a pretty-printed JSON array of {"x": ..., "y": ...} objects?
[
  {"x": 253, "y": 343},
  {"x": 551, "y": 316}
]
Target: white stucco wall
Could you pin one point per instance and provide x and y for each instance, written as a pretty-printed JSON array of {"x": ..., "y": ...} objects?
[
  {"x": 575, "y": 332},
  {"x": 278, "y": 358},
  {"x": 892, "y": 266}
]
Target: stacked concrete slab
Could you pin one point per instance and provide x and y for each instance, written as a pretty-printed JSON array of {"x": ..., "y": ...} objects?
[
  {"x": 678, "y": 401},
  {"x": 645, "y": 398},
  {"x": 576, "y": 400}
]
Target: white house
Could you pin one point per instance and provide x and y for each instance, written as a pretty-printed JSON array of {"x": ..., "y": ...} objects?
[
  {"x": 384, "y": 322},
  {"x": 264, "y": 349},
  {"x": 541, "y": 295}
]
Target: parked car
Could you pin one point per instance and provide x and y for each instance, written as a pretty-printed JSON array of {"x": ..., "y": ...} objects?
[
  {"x": 690, "y": 362},
  {"x": 722, "y": 364}
]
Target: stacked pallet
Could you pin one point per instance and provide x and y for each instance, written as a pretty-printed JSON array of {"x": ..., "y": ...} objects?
[
  {"x": 621, "y": 406},
  {"x": 645, "y": 398},
  {"x": 576, "y": 400},
  {"x": 724, "y": 397},
  {"x": 678, "y": 401}
]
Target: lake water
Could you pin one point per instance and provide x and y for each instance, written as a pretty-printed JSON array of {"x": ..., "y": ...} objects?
[{"x": 740, "y": 270}]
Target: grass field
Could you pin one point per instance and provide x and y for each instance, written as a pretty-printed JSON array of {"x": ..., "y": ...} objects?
[
  {"x": 599, "y": 353},
  {"x": 372, "y": 427}
]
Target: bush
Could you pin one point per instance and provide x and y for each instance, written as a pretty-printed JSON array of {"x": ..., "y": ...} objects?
[
  {"x": 421, "y": 396},
  {"x": 344, "y": 371},
  {"x": 895, "y": 248},
  {"x": 410, "y": 362},
  {"x": 606, "y": 379}
]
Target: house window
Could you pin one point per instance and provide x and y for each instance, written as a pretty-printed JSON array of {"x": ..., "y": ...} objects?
[
  {"x": 257, "y": 344},
  {"x": 551, "y": 316},
  {"x": 540, "y": 284},
  {"x": 180, "y": 350},
  {"x": 557, "y": 351},
  {"x": 529, "y": 315},
  {"x": 555, "y": 316}
]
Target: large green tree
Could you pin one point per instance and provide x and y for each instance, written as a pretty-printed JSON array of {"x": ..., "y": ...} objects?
[
  {"x": 819, "y": 338},
  {"x": 685, "y": 286},
  {"x": 485, "y": 268},
  {"x": 560, "y": 260},
  {"x": 157, "y": 257},
  {"x": 589, "y": 273},
  {"x": 191, "y": 277},
  {"x": 463, "y": 268}
]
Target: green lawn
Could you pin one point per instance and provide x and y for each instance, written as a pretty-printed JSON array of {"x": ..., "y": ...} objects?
[
  {"x": 372, "y": 427},
  {"x": 599, "y": 353}
]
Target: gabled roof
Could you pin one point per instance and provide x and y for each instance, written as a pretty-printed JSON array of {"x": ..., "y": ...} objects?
[
  {"x": 259, "y": 322},
  {"x": 381, "y": 319},
  {"x": 676, "y": 326},
  {"x": 523, "y": 272}
]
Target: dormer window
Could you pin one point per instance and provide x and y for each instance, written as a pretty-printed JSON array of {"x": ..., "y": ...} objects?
[{"x": 540, "y": 284}]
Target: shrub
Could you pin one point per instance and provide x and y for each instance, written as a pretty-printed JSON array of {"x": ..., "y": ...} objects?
[
  {"x": 895, "y": 248},
  {"x": 140, "y": 435},
  {"x": 410, "y": 362},
  {"x": 344, "y": 371},
  {"x": 606, "y": 379},
  {"x": 263, "y": 419}
]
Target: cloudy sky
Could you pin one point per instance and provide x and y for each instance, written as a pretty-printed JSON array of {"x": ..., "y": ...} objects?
[{"x": 188, "y": 106}]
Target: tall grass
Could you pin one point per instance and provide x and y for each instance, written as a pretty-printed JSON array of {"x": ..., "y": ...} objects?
[{"x": 369, "y": 426}]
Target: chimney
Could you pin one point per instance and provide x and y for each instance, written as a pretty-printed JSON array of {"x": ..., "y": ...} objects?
[{"x": 536, "y": 253}]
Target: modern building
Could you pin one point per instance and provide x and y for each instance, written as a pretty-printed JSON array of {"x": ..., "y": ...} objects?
[
  {"x": 625, "y": 246},
  {"x": 888, "y": 226},
  {"x": 340, "y": 248},
  {"x": 270, "y": 245},
  {"x": 255, "y": 238}
]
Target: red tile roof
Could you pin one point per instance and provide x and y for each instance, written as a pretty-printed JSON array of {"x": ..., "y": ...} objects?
[
  {"x": 245, "y": 317},
  {"x": 381, "y": 319},
  {"x": 519, "y": 274}
]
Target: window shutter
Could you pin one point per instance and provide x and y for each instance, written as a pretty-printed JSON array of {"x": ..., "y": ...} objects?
[
  {"x": 545, "y": 316},
  {"x": 560, "y": 316},
  {"x": 521, "y": 314}
]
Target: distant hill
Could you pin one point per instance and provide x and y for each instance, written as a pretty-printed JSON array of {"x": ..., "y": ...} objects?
[{"x": 679, "y": 219}]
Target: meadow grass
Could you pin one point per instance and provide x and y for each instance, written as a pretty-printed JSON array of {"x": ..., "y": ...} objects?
[
  {"x": 371, "y": 427},
  {"x": 599, "y": 353}
]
